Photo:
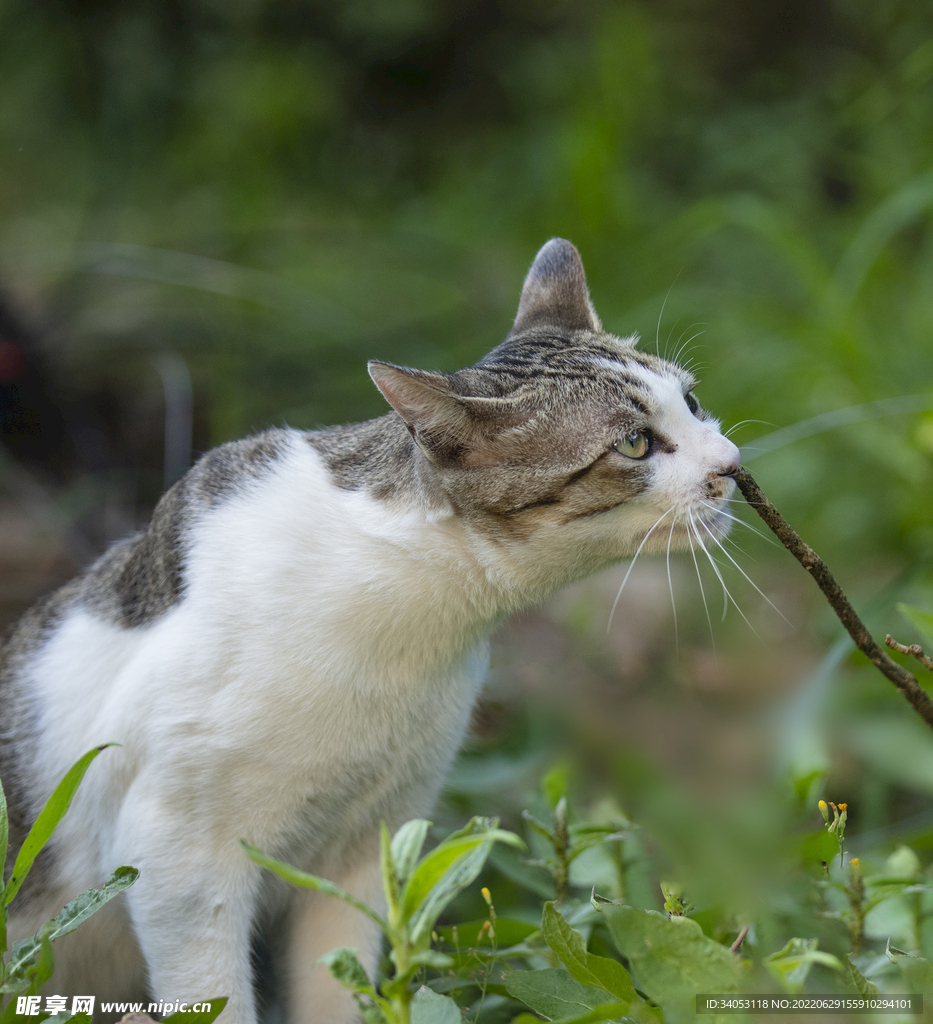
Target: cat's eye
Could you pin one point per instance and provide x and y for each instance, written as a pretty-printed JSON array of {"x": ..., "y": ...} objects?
[
  {"x": 634, "y": 445},
  {"x": 692, "y": 404}
]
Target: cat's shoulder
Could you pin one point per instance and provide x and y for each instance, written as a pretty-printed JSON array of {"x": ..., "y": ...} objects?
[
  {"x": 141, "y": 576},
  {"x": 229, "y": 469}
]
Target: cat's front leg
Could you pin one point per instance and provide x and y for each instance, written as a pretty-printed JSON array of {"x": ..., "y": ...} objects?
[
  {"x": 193, "y": 910},
  {"x": 318, "y": 924}
]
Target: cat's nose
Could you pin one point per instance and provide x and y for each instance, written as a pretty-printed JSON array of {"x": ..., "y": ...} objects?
[{"x": 732, "y": 459}]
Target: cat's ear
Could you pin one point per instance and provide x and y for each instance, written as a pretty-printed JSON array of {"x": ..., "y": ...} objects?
[
  {"x": 419, "y": 397},
  {"x": 555, "y": 291},
  {"x": 447, "y": 426}
]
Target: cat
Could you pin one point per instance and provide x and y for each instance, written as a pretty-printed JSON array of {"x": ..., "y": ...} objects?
[{"x": 291, "y": 651}]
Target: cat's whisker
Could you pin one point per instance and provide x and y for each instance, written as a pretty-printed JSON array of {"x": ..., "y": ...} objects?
[
  {"x": 693, "y": 337},
  {"x": 696, "y": 565},
  {"x": 736, "y": 546},
  {"x": 670, "y": 587},
  {"x": 741, "y": 522},
  {"x": 615, "y": 603},
  {"x": 839, "y": 418},
  {"x": 682, "y": 345},
  {"x": 715, "y": 565},
  {"x": 747, "y": 577},
  {"x": 695, "y": 367},
  {"x": 727, "y": 595},
  {"x": 667, "y": 342},
  {"x": 657, "y": 333},
  {"x": 745, "y": 423}
]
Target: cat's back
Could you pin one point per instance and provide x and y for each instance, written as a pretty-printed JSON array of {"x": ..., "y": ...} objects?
[
  {"x": 246, "y": 585},
  {"x": 140, "y": 577},
  {"x": 59, "y": 659}
]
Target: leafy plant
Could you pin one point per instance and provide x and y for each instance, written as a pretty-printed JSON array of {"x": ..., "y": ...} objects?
[
  {"x": 416, "y": 892},
  {"x": 31, "y": 962},
  {"x": 587, "y": 958},
  {"x": 567, "y": 840}
]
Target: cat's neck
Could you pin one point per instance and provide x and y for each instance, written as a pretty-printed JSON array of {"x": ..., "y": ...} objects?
[{"x": 380, "y": 458}]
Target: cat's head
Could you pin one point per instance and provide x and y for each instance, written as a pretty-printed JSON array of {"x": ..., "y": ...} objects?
[{"x": 566, "y": 436}]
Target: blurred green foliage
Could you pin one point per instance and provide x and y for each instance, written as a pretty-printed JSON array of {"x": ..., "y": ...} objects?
[
  {"x": 276, "y": 192},
  {"x": 279, "y": 191}
]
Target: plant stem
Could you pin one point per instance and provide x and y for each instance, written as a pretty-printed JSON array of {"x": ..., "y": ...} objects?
[
  {"x": 561, "y": 849},
  {"x": 913, "y": 693},
  {"x": 401, "y": 1002},
  {"x": 856, "y": 893}
]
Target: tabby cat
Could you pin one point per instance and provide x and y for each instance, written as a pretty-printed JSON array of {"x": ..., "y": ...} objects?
[{"x": 291, "y": 650}]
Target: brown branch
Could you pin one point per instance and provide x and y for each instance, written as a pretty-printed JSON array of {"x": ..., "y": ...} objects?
[
  {"x": 737, "y": 945},
  {"x": 914, "y": 650},
  {"x": 915, "y": 695}
]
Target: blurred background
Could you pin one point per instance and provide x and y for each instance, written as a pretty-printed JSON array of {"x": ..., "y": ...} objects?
[{"x": 213, "y": 213}]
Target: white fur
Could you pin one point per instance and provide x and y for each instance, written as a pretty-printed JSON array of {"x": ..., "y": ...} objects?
[
  {"x": 317, "y": 677},
  {"x": 319, "y": 681}
]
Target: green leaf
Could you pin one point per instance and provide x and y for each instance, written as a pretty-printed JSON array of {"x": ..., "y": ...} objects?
[
  {"x": 903, "y": 863},
  {"x": 917, "y": 970},
  {"x": 605, "y": 1012},
  {"x": 595, "y": 971},
  {"x": 447, "y": 870},
  {"x": 390, "y": 881},
  {"x": 803, "y": 783},
  {"x": 434, "y": 866},
  {"x": 857, "y": 981},
  {"x": 344, "y": 965},
  {"x": 10, "y": 1016},
  {"x": 896, "y": 747},
  {"x": 921, "y": 621},
  {"x": 458, "y": 875},
  {"x": 428, "y": 1007},
  {"x": 306, "y": 881},
  {"x": 51, "y": 814},
  {"x": 432, "y": 958},
  {"x": 78, "y": 910},
  {"x": 508, "y": 862},
  {"x": 406, "y": 845},
  {"x": 555, "y": 783},
  {"x": 75, "y": 912},
  {"x": 44, "y": 964},
  {"x": 190, "y": 1017},
  {"x": 791, "y": 965},
  {"x": 15, "y": 986},
  {"x": 555, "y": 994},
  {"x": 670, "y": 958},
  {"x": 538, "y": 826}
]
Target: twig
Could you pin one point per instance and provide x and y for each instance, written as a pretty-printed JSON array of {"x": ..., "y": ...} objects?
[
  {"x": 737, "y": 945},
  {"x": 914, "y": 650},
  {"x": 918, "y": 699}
]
